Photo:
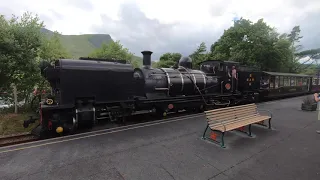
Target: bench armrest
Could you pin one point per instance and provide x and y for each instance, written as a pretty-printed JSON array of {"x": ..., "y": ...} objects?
[{"x": 265, "y": 111}]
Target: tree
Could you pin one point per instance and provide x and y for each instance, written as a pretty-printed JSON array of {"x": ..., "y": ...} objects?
[
  {"x": 52, "y": 49},
  {"x": 20, "y": 43},
  {"x": 168, "y": 60},
  {"x": 112, "y": 50},
  {"x": 254, "y": 44},
  {"x": 199, "y": 55},
  {"x": 313, "y": 55},
  {"x": 294, "y": 37}
]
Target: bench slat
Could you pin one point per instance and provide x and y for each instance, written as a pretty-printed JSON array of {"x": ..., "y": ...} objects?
[
  {"x": 232, "y": 114},
  {"x": 232, "y": 120},
  {"x": 230, "y": 108},
  {"x": 238, "y": 124},
  {"x": 224, "y": 120}
]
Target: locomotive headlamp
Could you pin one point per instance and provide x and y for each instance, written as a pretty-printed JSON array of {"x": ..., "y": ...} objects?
[
  {"x": 164, "y": 114},
  {"x": 59, "y": 130},
  {"x": 49, "y": 101}
]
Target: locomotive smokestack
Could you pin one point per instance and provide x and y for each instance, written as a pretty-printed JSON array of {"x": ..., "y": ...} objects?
[{"x": 146, "y": 58}]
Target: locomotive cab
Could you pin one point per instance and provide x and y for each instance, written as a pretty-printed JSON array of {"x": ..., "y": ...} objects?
[{"x": 222, "y": 70}]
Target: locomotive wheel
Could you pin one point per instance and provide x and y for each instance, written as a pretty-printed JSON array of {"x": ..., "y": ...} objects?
[
  {"x": 121, "y": 120},
  {"x": 160, "y": 112},
  {"x": 200, "y": 109}
]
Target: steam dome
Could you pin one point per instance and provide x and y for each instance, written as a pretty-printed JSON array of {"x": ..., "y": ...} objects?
[{"x": 185, "y": 62}]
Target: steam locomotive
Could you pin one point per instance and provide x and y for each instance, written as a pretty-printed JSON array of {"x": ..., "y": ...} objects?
[{"x": 88, "y": 90}]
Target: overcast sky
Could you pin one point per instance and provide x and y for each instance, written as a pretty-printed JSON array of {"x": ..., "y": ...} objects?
[{"x": 168, "y": 25}]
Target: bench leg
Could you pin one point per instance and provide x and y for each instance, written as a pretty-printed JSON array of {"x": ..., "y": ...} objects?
[
  {"x": 221, "y": 138},
  {"x": 241, "y": 129},
  {"x": 204, "y": 133},
  {"x": 221, "y": 142},
  {"x": 270, "y": 123}
]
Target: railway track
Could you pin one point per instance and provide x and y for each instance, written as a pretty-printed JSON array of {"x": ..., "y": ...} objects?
[{"x": 17, "y": 139}]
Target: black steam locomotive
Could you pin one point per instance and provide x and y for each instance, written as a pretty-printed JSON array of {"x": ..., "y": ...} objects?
[{"x": 87, "y": 90}]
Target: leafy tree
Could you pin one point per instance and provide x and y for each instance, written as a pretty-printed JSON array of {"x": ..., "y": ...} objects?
[
  {"x": 312, "y": 53},
  {"x": 199, "y": 55},
  {"x": 112, "y": 50},
  {"x": 52, "y": 49},
  {"x": 294, "y": 37},
  {"x": 313, "y": 56},
  {"x": 154, "y": 64},
  {"x": 168, "y": 60},
  {"x": 22, "y": 45},
  {"x": 254, "y": 44}
]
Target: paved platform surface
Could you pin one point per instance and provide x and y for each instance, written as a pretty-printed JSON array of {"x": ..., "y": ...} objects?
[{"x": 176, "y": 151}]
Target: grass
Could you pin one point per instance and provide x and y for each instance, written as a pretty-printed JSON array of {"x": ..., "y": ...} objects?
[{"x": 11, "y": 123}]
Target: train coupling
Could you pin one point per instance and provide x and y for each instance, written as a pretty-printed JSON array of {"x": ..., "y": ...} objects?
[{"x": 31, "y": 120}]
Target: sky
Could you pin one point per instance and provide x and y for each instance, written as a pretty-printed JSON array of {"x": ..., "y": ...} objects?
[{"x": 168, "y": 25}]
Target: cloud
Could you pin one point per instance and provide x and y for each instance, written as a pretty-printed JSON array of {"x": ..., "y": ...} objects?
[
  {"x": 82, "y": 4},
  {"x": 310, "y": 26},
  {"x": 169, "y": 25},
  {"x": 138, "y": 32}
]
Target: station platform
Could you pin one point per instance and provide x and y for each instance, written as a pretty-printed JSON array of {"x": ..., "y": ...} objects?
[{"x": 175, "y": 150}]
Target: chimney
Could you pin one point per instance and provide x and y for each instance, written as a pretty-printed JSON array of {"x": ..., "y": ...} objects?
[{"x": 146, "y": 58}]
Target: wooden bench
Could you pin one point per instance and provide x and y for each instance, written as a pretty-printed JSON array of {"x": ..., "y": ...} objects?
[{"x": 233, "y": 118}]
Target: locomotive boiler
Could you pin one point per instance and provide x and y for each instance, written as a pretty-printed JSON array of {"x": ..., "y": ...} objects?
[{"x": 172, "y": 82}]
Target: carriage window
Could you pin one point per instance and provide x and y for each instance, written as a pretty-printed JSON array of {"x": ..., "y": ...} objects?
[
  {"x": 286, "y": 81},
  {"x": 292, "y": 81},
  {"x": 272, "y": 78},
  {"x": 276, "y": 82},
  {"x": 299, "y": 81},
  {"x": 304, "y": 81},
  {"x": 281, "y": 81}
]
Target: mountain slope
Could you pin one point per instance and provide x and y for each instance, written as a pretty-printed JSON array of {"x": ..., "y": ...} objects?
[{"x": 83, "y": 45}]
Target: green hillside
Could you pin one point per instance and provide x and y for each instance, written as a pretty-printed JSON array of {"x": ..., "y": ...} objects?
[{"x": 83, "y": 45}]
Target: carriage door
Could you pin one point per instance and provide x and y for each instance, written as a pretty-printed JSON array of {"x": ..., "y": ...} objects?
[{"x": 309, "y": 81}]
